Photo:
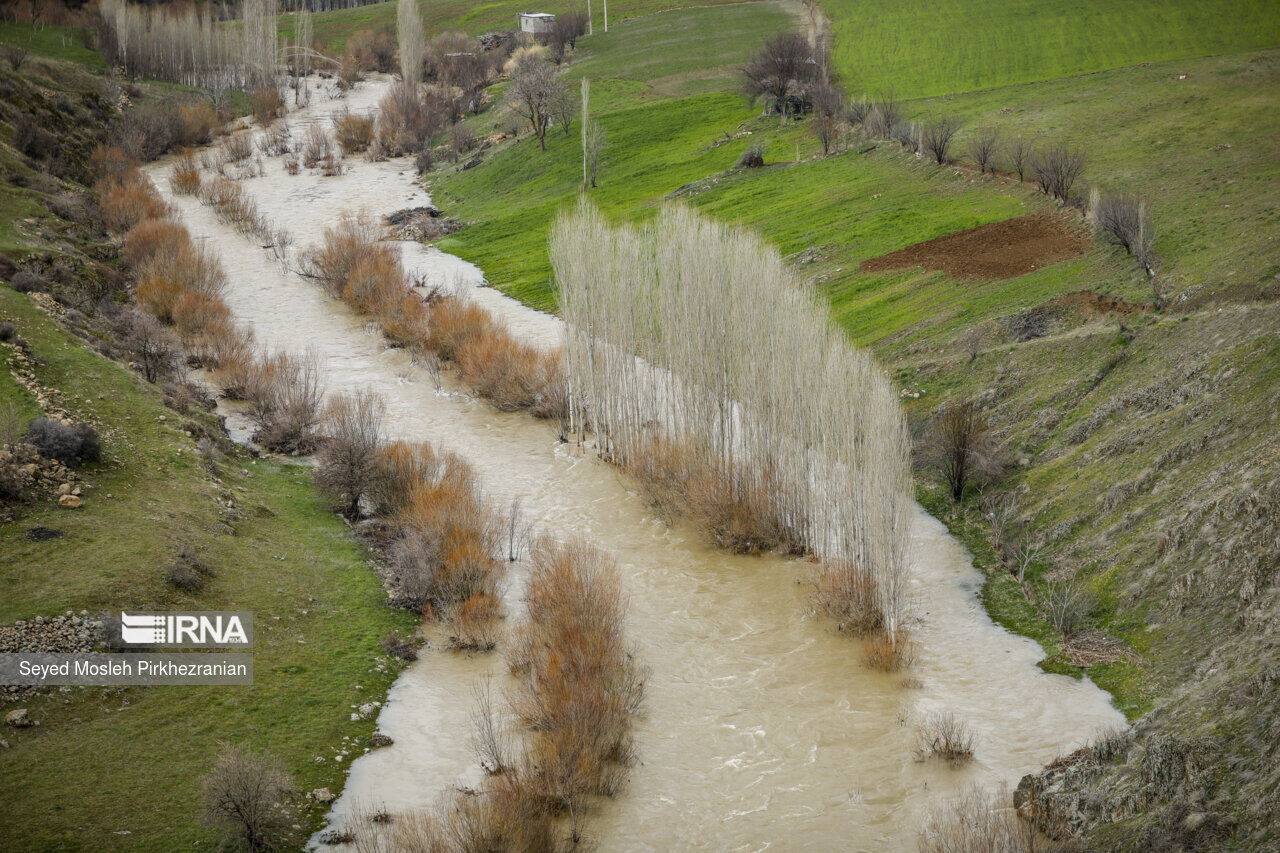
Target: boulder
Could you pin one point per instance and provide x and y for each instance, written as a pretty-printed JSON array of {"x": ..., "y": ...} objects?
[
  {"x": 19, "y": 719},
  {"x": 322, "y": 795},
  {"x": 70, "y": 502}
]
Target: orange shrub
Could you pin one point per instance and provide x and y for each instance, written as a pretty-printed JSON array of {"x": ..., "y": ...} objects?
[
  {"x": 124, "y": 201},
  {"x": 185, "y": 178},
  {"x": 354, "y": 132},
  {"x": 199, "y": 121},
  {"x": 111, "y": 162},
  {"x": 456, "y": 324},
  {"x": 847, "y": 594},
  {"x": 507, "y": 373},
  {"x": 402, "y": 465},
  {"x": 886, "y": 653},
  {"x": 159, "y": 294},
  {"x": 151, "y": 238}
]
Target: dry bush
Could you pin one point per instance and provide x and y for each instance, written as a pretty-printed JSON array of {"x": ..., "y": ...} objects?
[
  {"x": 887, "y": 652},
  {"x": 266, "y": 105},
  {"x": 1067, "y": 604},
  {"x": 449, "y": 553},
  {"x": 71, "y": 444},
  {"x": 456, "y": 325},
  {"x": 236, "y": 208},
  {"x": 983, "y": 148},
  {"x": 399, "y": 646},
  {"x": 236, "y": 147},
  {"x": 248, "y": 796},
  {"x": 1056, "y": 169},
  {"x": 185, "y": 177},
  {"x": 153, "y": 237},
  {"x": 151, "y": 346},
  {"x": 346, "y": 466},
  {"x": 401, "y": 466},
  {"x": 165, "y": 278},
  {"x": 507, "y": 373},
  {"x": 373, "y": 51},
  {"x": 317, "y": 145},
  {"x": 111, "y": 162},
  {"x": 783, "y": 72},
  {"x": 1021, "y": 154},
  {"x": 197, "y": 313},
  {"x": 942, "y": 735},
  {"x": 909, "y": 135},
  {"x": 405, "y": 121},
  {"x": 475, "y": 624},
  {"x": 489, "y": 737},
  {"x": 847, "y": 594},
  {"x": 936, "y": 137},
  {"x": 125, "y": 200},
  {"x": 354, "y": 132},
  {"x": 883, "y": 116},
  {"x": 1123, "y": 220},
  {"x": 346, "y": 244},
  {"x": 276, "y": 141},
  {"x": 199, "y": 122},
  {"x": 579, "y": 685},
  {"x": 285, "y": 403},
  {"x": 979, "y": 821}
]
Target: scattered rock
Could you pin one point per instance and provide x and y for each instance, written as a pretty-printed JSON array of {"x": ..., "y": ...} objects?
[
  {"x": 19, "y": 719},
  {"x": 321, "y": 795},
  {"x": 70, "y": 502},
  {"x": 367, "y": 711},
  {"x": 378, "y": 739}
]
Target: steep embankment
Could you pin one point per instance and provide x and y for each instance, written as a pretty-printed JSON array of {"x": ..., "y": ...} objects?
[{"x": 119, "y": 768}]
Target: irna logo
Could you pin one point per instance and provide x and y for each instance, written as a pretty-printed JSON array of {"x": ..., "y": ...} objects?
[{"x": 211, "y": 629}]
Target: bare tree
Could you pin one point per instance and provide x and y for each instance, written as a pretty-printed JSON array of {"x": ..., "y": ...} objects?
[
  {"x": 247, "y": 795},
  {"x": 563, "y": 107},
  {"x": 152, "y": 347},
  {"x": 786, "y": 66},
  {"x": 1056, "y": 170},
  {"x": 1020, "y": 151},
  {"x": 533, "y": 93},
  {"x": 971, "y": 341},
  {"x": 963, "y": 447},
  {"x": 983, "y": 147},
  {"x": 489, "y": 738},
  {"x": 883, "y": 116},
  {"x": 936, "y": 137},
  {"x": 347, "y": 463},
  {"x": 1123, "y": 221},
  {"x": 828, "y": 103}
]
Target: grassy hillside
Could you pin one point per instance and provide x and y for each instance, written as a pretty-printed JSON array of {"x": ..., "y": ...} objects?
[
  {"x": 79, "y": 780},
  {"x": 1132, "y": 432},
  {"x": 334, "y": 28},
  {"x": 962, "y": 45}
]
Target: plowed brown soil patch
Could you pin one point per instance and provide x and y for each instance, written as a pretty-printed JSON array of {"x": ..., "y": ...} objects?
[{"x": 1000, "y": 250}]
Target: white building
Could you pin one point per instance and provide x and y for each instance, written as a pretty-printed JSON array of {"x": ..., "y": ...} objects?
[{"x": 536, "y": 22}]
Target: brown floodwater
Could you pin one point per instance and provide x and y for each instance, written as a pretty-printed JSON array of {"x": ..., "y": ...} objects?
[{"x": 760, "y": 728}]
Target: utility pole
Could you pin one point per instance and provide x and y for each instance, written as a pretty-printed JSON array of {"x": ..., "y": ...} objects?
[
  {"x": 586, "y": 88},
  {"x": 606, "y": 16},
  {"x": 589, "y": 27}
]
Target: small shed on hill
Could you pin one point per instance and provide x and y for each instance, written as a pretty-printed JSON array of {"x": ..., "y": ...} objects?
[{"x": 536, "y": 22}]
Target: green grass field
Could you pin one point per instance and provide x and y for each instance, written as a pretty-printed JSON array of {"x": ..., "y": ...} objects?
[
  {"x": 334, "y": 28},
  {"x": 52, "y": 42},
  {"x": 961, "y": 45},
  {"x": 320, "y": 613}
]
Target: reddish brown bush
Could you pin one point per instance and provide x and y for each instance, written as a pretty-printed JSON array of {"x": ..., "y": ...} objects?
[
  {"x": 847, "y": 594},
  {"x": 373, "y": 51},
  {"x": 456, "y": 324},
  {"x": 354, "y": 132},
  {"x": 185, "y": 178},
  {"x": 125, "y": 200},
  {"x": 888, "y": 653},
  {"x": 266, "y": 105},
  {"x": 507, "y": 373},
  {"x": 153, "y": 237},
  {"x": 199, "y": 122}
]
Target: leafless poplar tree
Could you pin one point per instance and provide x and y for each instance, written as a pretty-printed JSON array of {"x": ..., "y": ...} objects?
[{"x": 775, "y": 401}]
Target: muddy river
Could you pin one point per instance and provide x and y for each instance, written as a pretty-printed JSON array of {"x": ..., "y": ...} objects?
[{"x": 760, "y": 729}]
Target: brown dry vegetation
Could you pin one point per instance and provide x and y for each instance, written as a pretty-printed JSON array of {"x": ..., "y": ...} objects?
[
  {"x": 354, "y": 132},
  {"x": 354, "y": 264},
  {"x": 185, "y": 179}
]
